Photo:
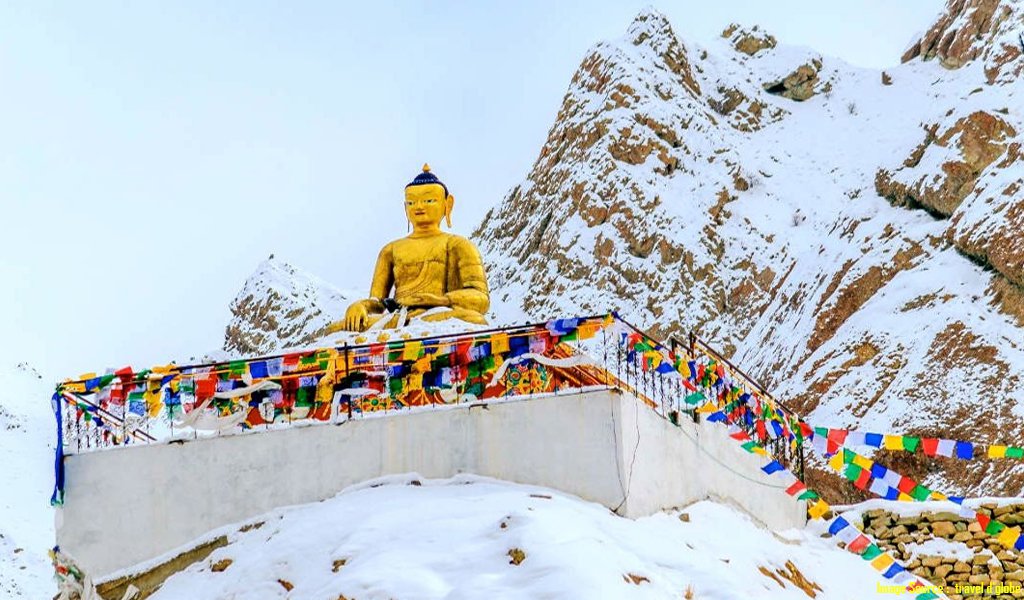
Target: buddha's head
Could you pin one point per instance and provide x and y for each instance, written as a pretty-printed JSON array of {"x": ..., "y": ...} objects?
[{"x": 427, "y": 200}]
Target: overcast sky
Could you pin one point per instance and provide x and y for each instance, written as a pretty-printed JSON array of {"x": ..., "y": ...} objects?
[{"x": 152, "y": 154}]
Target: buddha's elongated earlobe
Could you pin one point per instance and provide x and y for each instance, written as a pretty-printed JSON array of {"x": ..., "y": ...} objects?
[{"x": 448, "y": 210}]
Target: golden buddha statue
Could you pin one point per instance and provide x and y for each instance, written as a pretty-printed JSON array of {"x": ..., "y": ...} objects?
[{"x": 426, "y": 270}]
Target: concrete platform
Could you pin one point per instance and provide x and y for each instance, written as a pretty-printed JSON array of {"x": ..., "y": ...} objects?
[{"x": 128, "y": 505}]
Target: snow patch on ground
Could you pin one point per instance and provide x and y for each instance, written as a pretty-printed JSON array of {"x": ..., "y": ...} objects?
[
  {"x": 408, "y": 537},
  {"x": 27, "y": 433}
]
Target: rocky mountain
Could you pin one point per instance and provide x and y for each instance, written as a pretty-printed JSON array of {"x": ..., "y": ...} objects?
[
  {"x": 281, "y": 306},
  {"x": 850, "y": 236}
]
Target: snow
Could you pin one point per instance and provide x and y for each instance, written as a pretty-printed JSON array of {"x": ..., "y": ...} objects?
[
  {"x": 811, "y": 222},
  {"x": 452, "y": 538},
  {"x": 27, "y": 433}
]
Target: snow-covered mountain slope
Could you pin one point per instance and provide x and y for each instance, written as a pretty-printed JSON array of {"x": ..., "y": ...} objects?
[
  {"x": 26, "y": 472},
  {"x": 469, "y": 537},
  {"x": 281, "y": 306},
  {"x": 768, "y": 196},
  {"x": 849, "y": 236}
]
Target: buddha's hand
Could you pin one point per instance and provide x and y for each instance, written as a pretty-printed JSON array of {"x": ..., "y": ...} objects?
[
  {"x": 424, "y": 299},
  {"x": 355, "y": 316}
]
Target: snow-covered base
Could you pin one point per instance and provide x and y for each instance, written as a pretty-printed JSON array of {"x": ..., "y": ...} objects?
[
  {"x": 27, "y": 433},
  {"x": 455, "y": 539}
]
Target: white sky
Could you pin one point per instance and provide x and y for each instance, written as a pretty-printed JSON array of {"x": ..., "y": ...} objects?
[{"x": 152, "y": 154}]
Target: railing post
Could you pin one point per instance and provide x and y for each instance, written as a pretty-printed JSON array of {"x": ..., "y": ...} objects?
[{"x": 348, "y": 397}]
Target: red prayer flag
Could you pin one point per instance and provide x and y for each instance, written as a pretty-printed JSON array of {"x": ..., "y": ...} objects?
[
  {"x": 906, "y": 485},
  {"x": 863, "y": 479},
  {"x": 859, "y": 543},
  {"x": 206, "y": 388},
  {"x": 983, "y": 521},
  {"x": 796, "y": 488},
  {"x": 837, "y": 435},
  {"x": 125, "y": 374},
  {"x": 930, "y": 446}
]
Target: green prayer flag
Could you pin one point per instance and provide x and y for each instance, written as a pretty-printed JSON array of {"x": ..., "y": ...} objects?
[
  {"x": 920, "y": 493},
  {"x": 994, "y": 527},
  {"x": 871, "y": 552},
  {"x": 237, "y": 367},
  {"x": 807, "y": 495},
  {"x": 853, "y": 472},
  {"x": 822, "y": 431},
  {"x": 910, "y": 443},
  {"x": 749, "y": 446},
  {"x": 1012, "y": 452},
  {"x": 395, "y": 386},
  {"x": 694, "y": 398}
]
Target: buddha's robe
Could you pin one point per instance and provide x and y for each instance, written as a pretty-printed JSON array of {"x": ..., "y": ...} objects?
[{"x": 444, "y": 264}]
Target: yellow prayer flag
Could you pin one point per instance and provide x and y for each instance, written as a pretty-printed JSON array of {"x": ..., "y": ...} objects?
[
  {"x": 87, "y": 376},
  {"x": 74, "y": 387},
  {"x": 938, "y": 496},
  {"x": 587, "y": 330},
  {"x": 707, "y": 407},
  {"x": 154, "y": 402},
  {"x": 996, "y": 451},
  {"x": 499, "y": 342},
  {"x": 862, "y": 462},
  {"x": 819, "y": 508},
  {"x": 1008, "y": 537},
  {"x": 882, "y": 562},
  {"x": 905, "y": 497},
  {"x": 163, "y": 369},
  {"x": 414, "y": 381},
  {"x": 422, "y": 365},
  {"x": 759, "y": 450},
  {"x": 836, "y": 462},
  {"x": 412, "y": 350},
  {"x": 893, "y": 442}
]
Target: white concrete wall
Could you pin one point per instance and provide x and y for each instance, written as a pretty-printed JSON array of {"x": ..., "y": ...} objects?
[
  {"x": 128, "y": 505},
  {"x": 674, "y": 466}
]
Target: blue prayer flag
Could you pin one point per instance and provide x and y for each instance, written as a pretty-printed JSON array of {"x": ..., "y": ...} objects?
[
  {"x": 873, "y": 439},
  {"x": 838, "y": 524},
  {"x": 772, "y": 467},
  {"x": 258, "y": 369},
  {"x": 893, "y": 570},
  {"x": 964, "y": 450}
]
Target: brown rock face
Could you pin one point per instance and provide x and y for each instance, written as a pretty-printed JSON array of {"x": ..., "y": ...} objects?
[
  {"x": 980, "y": 139},
  {"x": 798, "y": 85},
  {"x": 749, "y": 42},
  {"x": 281, "y": 306},
  {"x": 971, "y": 29}
]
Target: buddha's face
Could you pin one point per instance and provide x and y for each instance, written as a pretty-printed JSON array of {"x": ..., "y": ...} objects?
[{"x": 425, "y": 205}]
